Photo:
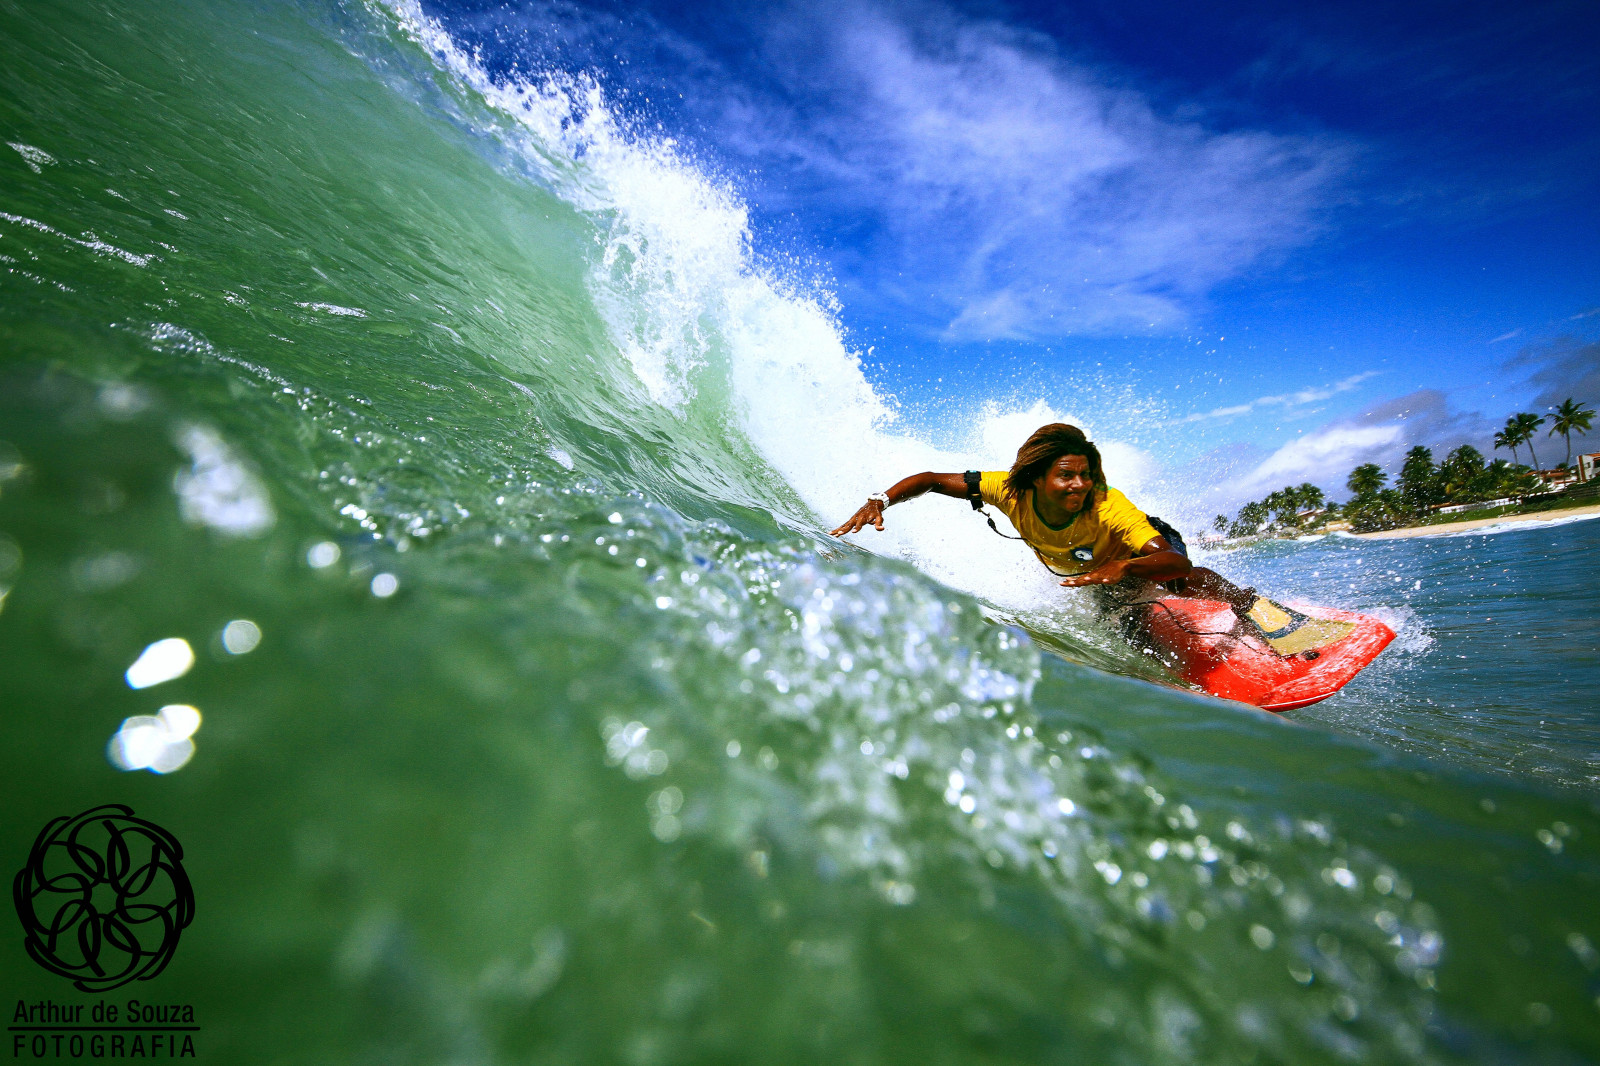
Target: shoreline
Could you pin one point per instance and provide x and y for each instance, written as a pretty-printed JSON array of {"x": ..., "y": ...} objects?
[{"x": 1478, "y": 523}]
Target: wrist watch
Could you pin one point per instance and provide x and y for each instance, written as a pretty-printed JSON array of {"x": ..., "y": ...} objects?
[{"x": 881, "y": 497}]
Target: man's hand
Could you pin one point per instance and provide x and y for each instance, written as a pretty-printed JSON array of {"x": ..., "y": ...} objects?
[
  {"x": 871, "y": 513},
  {"x": 1156, "y": 561},
  {"x": 1106, "y": 574}
]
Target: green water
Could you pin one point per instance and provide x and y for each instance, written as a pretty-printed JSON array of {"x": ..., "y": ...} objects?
[{"x": 628, "y": 766}]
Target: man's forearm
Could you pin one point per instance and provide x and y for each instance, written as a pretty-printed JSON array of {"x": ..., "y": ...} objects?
[
  {"x": 1161, "y": 566},
  {"x": 917, "y": 484}
]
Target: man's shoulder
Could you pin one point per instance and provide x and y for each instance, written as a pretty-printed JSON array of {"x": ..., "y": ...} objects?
[
  {"x": 1113, "y": 502},
  {"x": 992, "y": 485},
  {"x": 1112, "y": 499}
]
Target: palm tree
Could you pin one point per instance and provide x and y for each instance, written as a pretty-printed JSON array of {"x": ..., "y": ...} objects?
[
  {"x": 1284, "y": 505},
  {"x": 1571, "y": 417},
  {"x": 1508, "y": 438},
  {"x": 1461, "y": 475},
  {"x": 1220, "y": 523},
  {"x": 1525, "y": 424},
  {"x": 1419, "y": 479},
  {"x": 1366, "y": 479}
]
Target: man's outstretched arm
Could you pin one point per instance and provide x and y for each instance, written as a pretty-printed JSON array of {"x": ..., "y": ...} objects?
[{"x": 871, "y": 512}]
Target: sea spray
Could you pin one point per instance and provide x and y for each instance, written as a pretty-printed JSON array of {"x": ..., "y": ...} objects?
[
  {"x": 702, "y": 325},
  {"x": 622, "y": 763}
]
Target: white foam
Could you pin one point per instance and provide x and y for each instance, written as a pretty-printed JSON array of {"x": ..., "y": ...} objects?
[
  {"x": 334, "y": 309},
  {"x": 1528, "y": 523},
  {"x": 688, "y": 308}
]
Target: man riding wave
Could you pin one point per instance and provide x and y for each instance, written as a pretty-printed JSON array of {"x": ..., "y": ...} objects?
[{"x": 1081, "y": 528}]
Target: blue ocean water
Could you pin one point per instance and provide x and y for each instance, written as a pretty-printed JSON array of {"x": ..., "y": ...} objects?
[
  {"x": 1500, "y": 647},
  {"x": 452, "y": 426}
]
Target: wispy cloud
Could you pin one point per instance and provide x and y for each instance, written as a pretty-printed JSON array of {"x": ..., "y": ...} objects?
[
  {"x": 1326, "y": 455},
  {"x": 1031, "y": 197},
  {"x": 1380, "y": 434},
  {"x": 1565, "y": 367},
  {"x": 1288, "y": 400},
  {"x": 1507, "y": 336}
]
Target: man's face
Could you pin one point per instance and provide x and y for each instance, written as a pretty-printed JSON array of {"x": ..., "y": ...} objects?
[{"x": 1068, "y": 482}]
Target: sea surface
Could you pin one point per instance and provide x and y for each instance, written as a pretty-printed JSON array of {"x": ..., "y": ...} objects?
[{"x": 454, "y": 425}]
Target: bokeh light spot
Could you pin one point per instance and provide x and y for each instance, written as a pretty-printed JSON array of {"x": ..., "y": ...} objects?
[
  {"x": 159, "y": 743},
  {"x": 161, "y": 661},
  {"x": 241, "y": 636}
]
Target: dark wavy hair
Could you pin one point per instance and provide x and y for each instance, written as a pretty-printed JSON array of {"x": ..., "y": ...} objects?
[{"x": 1040, "y": 451}]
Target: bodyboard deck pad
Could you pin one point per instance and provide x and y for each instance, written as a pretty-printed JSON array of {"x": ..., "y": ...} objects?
[{"x": 1290, "y": 657}]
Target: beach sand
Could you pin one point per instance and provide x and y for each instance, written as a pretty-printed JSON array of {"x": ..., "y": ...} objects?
[{"x": 1476, "y": 523}]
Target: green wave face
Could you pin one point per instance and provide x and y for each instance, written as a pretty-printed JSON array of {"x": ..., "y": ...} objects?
[{"x": 563, "y": 738}]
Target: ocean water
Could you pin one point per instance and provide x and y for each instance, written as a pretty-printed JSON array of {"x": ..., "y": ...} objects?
[{"x": 558, "y": 732}]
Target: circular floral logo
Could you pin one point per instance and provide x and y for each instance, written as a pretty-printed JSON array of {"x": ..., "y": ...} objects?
[{"x": 103, "y": 898}]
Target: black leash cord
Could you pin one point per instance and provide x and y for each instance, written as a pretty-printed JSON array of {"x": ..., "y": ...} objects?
[{"x": 975, "y": 497}]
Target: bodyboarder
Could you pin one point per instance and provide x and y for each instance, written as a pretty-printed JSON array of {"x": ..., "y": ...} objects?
[{"x": 1082, "y": 529}]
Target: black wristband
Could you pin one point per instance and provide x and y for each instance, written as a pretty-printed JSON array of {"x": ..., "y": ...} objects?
[{"x": 973, "y": 479}]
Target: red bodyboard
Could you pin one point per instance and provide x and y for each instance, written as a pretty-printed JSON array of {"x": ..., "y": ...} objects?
[{"x": 1204, "y": 643}]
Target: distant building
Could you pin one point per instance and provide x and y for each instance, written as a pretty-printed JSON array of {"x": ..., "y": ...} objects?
[
  {"x": 1556, "y": 480},
  {"x": 1477, "y": 505},
  {"x": 1588, "y": 464}
]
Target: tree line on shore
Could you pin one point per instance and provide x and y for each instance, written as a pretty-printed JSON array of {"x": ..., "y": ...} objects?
[{"x": 1464, "y": 476}]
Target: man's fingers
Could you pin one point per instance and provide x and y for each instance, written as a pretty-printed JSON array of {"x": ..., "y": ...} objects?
[{"x": 858, "y": 522}]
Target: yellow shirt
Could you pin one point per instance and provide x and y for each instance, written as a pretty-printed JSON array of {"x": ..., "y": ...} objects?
[{"x": 1109, "y": 528}]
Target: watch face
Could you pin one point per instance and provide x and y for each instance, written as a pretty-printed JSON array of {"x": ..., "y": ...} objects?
[{"x": 1083, "y": 555}]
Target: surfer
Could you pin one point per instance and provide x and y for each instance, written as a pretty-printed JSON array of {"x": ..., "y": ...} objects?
[{"x": 1083, "y": 530}]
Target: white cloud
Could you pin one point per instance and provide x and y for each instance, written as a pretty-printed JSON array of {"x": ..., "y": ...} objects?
[
  {"x": 1038, "y": 198},
  {"x": 1288, "y": 400},
  {"x": 1380, "y": 434},
  {"x": 1325, "y": 457},
  {"x": 1004, "y": 189}
]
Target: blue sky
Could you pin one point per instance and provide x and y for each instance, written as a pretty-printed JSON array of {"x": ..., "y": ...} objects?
[{"x": 1263, "y": 241}]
